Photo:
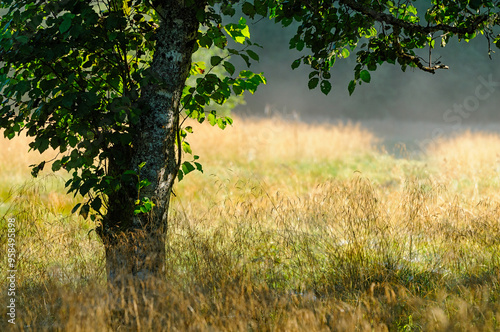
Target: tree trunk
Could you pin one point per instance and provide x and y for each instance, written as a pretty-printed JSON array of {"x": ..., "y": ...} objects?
[
  {"x": 134, "y": 256},
  {"x": 135, "y": 244}
]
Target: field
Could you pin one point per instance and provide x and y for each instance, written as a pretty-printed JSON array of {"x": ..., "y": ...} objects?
[{"x": 291, "y": 227}]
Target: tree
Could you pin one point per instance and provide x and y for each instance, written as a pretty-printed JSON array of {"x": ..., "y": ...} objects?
[{"x": 104, "y": 82}]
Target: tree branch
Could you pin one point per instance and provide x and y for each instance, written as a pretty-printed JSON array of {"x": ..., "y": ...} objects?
[
  {"x": 389, "y": 19},
  {"x": 417, "y": 61}
]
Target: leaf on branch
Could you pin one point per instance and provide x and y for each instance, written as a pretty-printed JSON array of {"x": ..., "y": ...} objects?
[
  {"x": 365, "y": 76},
  {"x": 313, "y": 82},
  {"x": 96, "y": 204},
  {"x": 84, "y": 211},
  {"x": 296, "y": 64},
  {"x": 248, "y": 9},
  {"x": 229, "y": 67},
  {"x": 186, "y": 147},
  {"x": 215, "y": 60},
  {"x": 253, "y": 55},
  {"x": 56, "y": 165},
  {"x": 199, "y": 167},
  {"x": 212, "y": 116},
  {"x": 187, "y": 167},
  {"x": 66, "y": 23},
  {"x": 75, "y": 208},
  {"x": 351, "y": 87},
  {"x": 325, "y": 87},
  {"x": 37, "y": 169}
]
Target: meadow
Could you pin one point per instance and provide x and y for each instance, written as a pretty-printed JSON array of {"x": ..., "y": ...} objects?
[{"x": 291, "y": 227}]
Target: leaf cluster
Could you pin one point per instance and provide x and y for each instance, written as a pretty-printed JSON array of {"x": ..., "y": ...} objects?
[
  {"x": 379, "y": 31},
  {"x": 72, "y": 77}
]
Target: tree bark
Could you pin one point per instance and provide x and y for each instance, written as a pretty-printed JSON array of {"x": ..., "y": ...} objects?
[{"x": 135, "y": 244}]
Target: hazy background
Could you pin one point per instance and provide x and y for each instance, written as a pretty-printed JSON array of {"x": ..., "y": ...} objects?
[{"x": 400, "y": 106}]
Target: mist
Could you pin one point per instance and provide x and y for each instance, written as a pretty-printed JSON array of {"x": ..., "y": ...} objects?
[{"x": 409, "y": 107}]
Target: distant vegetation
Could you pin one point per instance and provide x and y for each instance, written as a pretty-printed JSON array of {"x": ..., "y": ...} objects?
[{"x": 291, "y": 227}]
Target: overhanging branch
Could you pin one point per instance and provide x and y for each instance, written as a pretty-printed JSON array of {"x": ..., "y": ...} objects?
[
  {"x": 389, "y": 19},
  {"x": 417, "y": 61}
]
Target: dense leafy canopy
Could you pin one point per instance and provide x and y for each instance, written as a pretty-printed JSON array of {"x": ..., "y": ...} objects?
[
  {"x": 74, "y": 72},
  {"x": 379, "y": 31},
  {"x": 73, "y": 76}
]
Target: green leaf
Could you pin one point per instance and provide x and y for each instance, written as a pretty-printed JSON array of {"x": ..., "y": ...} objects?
[
  {"x": 199, "y": 167},
  {"x": 84, "y": 211},
  {"x": 237, "y": 90},
  {"x": 86, "y": 187},
  {"x": 145, "y": 205},
  {"x": 300, "y": 45},
  {"x": 73, "y": 141},
  {"x": 187, "y": 167},
  {"x": 475, "y": 4},
  {"x": 248, "y": 9},
  {"x": 22, "y": 39},
  {"x": 56, "y": 165},
  {"x": 245, "y": 31},
  {"x": 253, "y": 55},
  {"x": 345, "y": 53},
  {"x": 222, "y": 123},
  {"x": 228, "y": 10},
  {"x": 365, "y": 76},
  {"x": 246, "y": 73},
  {"x": 96, "y": 204},
  {"x": 75, "y": 208},
  {"x": 313, "y": 73},
  {"x": 200, "y": 99},
  {"x": 215, "y": 60},
  {"x": 212, "y": 118},
  {"x": 351, "y": 87},
  {"x": 246, "y": 59},
  {"x": 186, "y": 147},
  {"x": 296, "y": 64},
  {"x": 200, "y": 15},
  {"x": 65, "y": 25},
  {"x": 229, "y": 67},
  {"x": 261, "y": 7},
  {"x": 143, "y": 183},
  {"x": 37, "y": 169},
  {"x": 41, "y": 144},
  {"x": 325, "y": 87},
  {"x": 313, "y": 82}
]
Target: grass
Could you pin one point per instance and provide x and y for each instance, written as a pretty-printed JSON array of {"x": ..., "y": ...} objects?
[{"x": 291, "y": 227}]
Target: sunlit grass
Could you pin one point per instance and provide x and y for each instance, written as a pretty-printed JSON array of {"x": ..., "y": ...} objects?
[{"x": 291, "y": 227}]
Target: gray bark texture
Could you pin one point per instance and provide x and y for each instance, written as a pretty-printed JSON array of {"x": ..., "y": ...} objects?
[{"x": 135, "y": 244}]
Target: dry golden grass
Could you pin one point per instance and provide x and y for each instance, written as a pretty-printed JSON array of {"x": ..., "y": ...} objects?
[
  {"x": 291, "y": 227},
  {"x": 276, "y": 140},
  {"x": 470, "y": 160},
  {"x": 469, "y": 155}
]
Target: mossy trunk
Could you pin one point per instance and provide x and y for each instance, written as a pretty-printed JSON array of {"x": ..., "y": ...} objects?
[
  {"x": 135, "y": 244},
  {"x": 135, "y": 256}
]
